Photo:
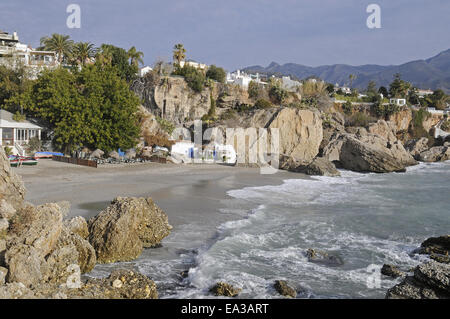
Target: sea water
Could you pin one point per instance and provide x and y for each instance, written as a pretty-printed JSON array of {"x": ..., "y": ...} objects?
[{"x": 366, "y": 220}]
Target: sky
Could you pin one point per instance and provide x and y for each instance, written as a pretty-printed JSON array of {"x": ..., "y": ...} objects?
[{"x": 239, "y": 33}]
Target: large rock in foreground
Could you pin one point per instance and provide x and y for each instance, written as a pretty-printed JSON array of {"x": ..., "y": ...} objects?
[
  {"x": 12, "y": 191},
  {"x": 364, "y": 152},
  {"x": 430, "y": 281},
  {"x": 121, "y": 231}
]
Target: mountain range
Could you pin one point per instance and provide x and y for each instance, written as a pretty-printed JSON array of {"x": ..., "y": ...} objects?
[{"x": 432, "y": 73}]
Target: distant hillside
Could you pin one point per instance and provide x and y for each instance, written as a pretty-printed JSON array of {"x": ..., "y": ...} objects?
[{"x": 433, "y": 73}]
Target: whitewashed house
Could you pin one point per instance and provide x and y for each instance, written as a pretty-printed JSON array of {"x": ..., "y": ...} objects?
[
  {"x": 194, "y": 64},
  {"x": 398, "y": 102},
  {"x": 16, "y": 135},
  {"x": 243, "y": 79},
  {"x": 12, "y": 52},
  {"x": 143, "y": 71}
]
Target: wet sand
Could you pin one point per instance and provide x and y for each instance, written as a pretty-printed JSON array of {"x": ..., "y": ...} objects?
[{"x": 183, "y": 191}]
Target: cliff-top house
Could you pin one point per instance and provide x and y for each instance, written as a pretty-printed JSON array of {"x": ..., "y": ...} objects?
[{"x": 12, "y": 52}]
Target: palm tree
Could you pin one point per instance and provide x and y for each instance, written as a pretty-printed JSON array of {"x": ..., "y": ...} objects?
[
  {"x": 179, "y": 53},
  {"x": 83, "y": 51},
  {"x": 135, "y": 56},
  {"x": 104, "y": 54},
  {"x": 352, "y": 77},
  {"x": 61, "y": 44}
]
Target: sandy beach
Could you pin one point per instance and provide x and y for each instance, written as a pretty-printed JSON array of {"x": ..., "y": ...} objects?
[{"x": 182, "y": 191}]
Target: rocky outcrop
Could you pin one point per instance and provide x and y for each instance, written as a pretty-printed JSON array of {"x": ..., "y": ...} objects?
[
  {"x": 300, "y": 133},
  {"x": 120, "y": 284},
  {"x": 365, "y": 152},
  {"x": 77, "y": 225},
  {"x": 383, "y": 129},
  {"x": 224, "y": 289},
  {"x": 324, "y": 258},
  {"x": 400, "y": 120},
  {"x": 319, "y": 166},
  {"x": 391, "y": 271},
  {"x": 172, "y": 99},
  {"x": 40, "y": 248},
  {"x": 283, "y": 288},
  {"x": 122, "y": 230},
  {"x": 417, "y": 146},
  {"x": 430, "y": 281},
  {"x": 12, "y": 190},
  {"x": 435, "y": 154},
  {"x": 437, "y": 245}
]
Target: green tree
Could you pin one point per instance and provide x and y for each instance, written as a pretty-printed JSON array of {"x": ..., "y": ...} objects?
[
  {"x": 82, "y": 52},
  {"x": 216, "y": 73},
  {"x": 351, "y": 77},
  {"x": 13, "y": 82},
  {"x": 399, "y": 88},
  {"x": 439, "y": 99},
  {"x": 384, "y": 91},
  {"x": 110, "y": 55},
  {"x": 93, "y": 108},
  {"x": 135, "y": 56},
  {"x": 61, "y": 44},
  {"x": 254, "y": 90},
  {"x": 179, "y": 53},
  {"x": 371, "y": 91}
]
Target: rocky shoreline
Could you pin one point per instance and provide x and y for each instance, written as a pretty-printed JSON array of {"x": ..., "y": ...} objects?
[{"x": 43, "y": 256}]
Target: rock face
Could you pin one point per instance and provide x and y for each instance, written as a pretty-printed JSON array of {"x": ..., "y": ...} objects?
[
  {"x": 121, "y": 231},
  {"x": 224, "y": 289},
  {"x": 365, "y": 152},
  {"x": 319, "y": 166},
  {"x": 430, "y": 281},
  {"x": 300, "y": 134},
  {"x": 121, "y": 284},
  {"x": 417, "y": 146},
  {"x": 435, "y": 154},
  {"x": 391, "y": 271},
  {"x": 40, "y": 248},
  {"x": 78, "y": 225},
  {"x": 282, "y": 287},
  {"x": 12, "y": 190},
  {"x": 401, "y": 120},
  {"x": 383, "y": 129},
  {"x": 324, "y": 258},
  {"x": 436, "y": 245}
]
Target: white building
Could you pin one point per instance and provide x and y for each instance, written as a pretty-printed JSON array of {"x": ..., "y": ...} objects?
[
  {"x": 243, "y": 79},
  {"x": 143, "y": 71},
  {"x": 344, "y": 89},
  {"x": 423, "y": 93},
  {"x": 16, "y": 134},
  {"x": 194, "y": 64},
  {"x": 398, "y": 102},
  {"x": 12, "y": 52}
]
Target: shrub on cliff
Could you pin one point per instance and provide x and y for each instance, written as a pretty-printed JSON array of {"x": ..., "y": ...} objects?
[
  {"x": 195, "y": 78},
  {"x": 216, "y": 73}
]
